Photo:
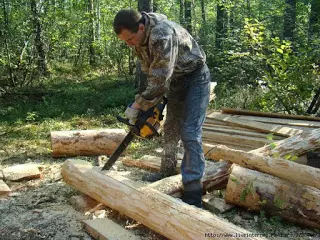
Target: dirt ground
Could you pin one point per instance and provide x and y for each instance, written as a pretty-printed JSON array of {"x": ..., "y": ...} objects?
[{"x": 41, "y": 209}]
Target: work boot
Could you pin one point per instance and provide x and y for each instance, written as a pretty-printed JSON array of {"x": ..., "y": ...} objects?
[{"x": 192, "y": 193}]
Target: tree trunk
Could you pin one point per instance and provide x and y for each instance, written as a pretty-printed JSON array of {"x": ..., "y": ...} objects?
[
  {"x": 221, "y": 27},
  {"x": 145, "y": 5},
  {"x": 181, "y": 12},
  {"x": 203, "y": 11},
  {"x": 86, "y": 142},
  {"x": 188, "y": 15},
  {"x": 314, "y": 21},
  {"x": 285, "y": 169},
  {"x": 289, "y": 20},
  {"x": 159, "y": 212},
  {"x": 39, "y": 43},
  {"x": 259, "y": 191},
  {"x": 91, "y": 13}
]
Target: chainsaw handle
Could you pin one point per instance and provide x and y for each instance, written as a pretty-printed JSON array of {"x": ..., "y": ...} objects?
[{"x": 125, "y": 121}]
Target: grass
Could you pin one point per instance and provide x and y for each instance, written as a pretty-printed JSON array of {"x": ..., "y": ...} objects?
[{"x": 64, "y": 102}]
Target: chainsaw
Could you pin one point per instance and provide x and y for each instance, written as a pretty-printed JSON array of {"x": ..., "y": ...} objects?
[{"x": 147, "y": 126}]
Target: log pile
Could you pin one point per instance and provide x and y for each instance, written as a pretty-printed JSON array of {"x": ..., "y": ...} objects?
[{"x": 256, "y": 172}]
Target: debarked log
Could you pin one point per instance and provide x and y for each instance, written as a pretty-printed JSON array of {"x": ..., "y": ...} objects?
[
  {"x": 166, "y": 215},
  {"x": 279, "y": 167},
  {"x": 86, "y": 142},
  {"x": 259, "y": 191}
]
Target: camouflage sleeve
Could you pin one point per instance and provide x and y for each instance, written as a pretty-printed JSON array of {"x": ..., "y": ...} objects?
[{"x": 163, "y": 53}]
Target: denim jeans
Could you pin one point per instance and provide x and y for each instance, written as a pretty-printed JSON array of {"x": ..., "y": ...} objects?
[{"x": 185, "y": 117}]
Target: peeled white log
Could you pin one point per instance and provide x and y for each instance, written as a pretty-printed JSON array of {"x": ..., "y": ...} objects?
[
  {"x": 279, "y": 167},
  {"x": 166, "y": 215},
  {"x": 259, "y": 191}
]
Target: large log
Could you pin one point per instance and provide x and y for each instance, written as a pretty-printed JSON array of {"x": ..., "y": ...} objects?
[
  {"x": 259, "y": 191},
  {"x": 279, "y": 167},
  {"x": 86, "y": 142},
  {"x": 294, "y": 146},
  {"x": 159, "y": 212}
]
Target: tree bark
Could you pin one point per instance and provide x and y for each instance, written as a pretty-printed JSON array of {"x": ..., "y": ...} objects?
[
  {"x": 86, "y": 142},
  {"x": 39, "y": 43},
  {"x": 221, "y": 27},
  {"x": 259, "y": 191},
  {"x": 314, "y": 21},
  {"x": 145, "y": 5},
  {"x": 285, "y": 169},
  {"x": 92, "y": 34},
  {"x": 159, "y": 212},
  {"x": 289, "y": 20},
  {"x": 188, "y": 15}
]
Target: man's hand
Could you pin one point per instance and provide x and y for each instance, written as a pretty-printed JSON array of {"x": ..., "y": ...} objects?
[{"x": 132, "y": 114}]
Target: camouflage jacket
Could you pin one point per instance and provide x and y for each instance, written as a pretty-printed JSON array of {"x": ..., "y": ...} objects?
[{"x": 166, "y": 52}]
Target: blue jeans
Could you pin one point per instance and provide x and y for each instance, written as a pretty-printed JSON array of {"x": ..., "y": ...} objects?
[{"x": 185, "y": 116}]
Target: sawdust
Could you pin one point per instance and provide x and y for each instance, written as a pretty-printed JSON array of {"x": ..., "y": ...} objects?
[{"x": 40, "y": 209}]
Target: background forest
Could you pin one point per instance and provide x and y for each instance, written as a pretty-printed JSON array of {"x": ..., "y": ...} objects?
[{"x": 60, "y": 60}]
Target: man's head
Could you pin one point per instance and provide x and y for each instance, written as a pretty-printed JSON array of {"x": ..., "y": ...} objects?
[{"x": 129, "y": 26}]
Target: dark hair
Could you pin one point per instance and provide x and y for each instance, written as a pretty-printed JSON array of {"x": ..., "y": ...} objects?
[{"x": 127, "y": 19}]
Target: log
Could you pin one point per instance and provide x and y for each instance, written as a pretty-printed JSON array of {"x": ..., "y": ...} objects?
[
  {"x": 159, "y": 212},
  {"x": 279, "y": 167},
  {"x": 259, "y": 191},
  {"x": 86, "y": 142},
  {"x": 295, "y": 146},
  {"x": 147, "y": 162}
]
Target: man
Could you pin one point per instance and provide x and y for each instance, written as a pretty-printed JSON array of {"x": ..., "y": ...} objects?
[{"x": 175, "y": 67}]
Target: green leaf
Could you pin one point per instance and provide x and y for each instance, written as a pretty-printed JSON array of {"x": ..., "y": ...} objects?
[{"x": 279, "y": 50}]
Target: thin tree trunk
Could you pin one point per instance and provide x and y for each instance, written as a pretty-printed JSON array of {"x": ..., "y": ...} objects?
[
  {"x": 181, "y": 12},
  {"x": 145, "y": 5},
  {"x": 39, "y": 43},
  {"x": 92, "y": 55},
  {"x": 221, "y": 27},
  {"x": 203, "y": 11},
  {"x": 188, "y": 15},
  {"x": 314, "y": 21},
  {"x": 289, "y": 20}
]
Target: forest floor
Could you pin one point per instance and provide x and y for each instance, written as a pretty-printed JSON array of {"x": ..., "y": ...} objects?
[{"x": 41, "y": 209}]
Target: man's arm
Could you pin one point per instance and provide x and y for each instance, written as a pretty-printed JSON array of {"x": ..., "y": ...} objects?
[{"x": 163, "y": 54}]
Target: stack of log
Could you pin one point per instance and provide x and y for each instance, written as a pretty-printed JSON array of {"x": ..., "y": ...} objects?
[{"x": 254, "y": 171}]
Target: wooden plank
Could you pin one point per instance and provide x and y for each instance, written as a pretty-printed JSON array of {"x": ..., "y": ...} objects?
[
  {"x": 263, "y": 127},
  {"x": 265, "y": 114},
  {"x": 106, "y": 229},
  {"x": 22, "y": 172},
  {"x": 4, "y": 189},
  {"x": 235, "y": 147},
  {"x": 289, "y": 122},
  {"x": 236, "y": 139},
  {"x": 239, "y": 132},
  {"x": 168, "y": 216}
]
